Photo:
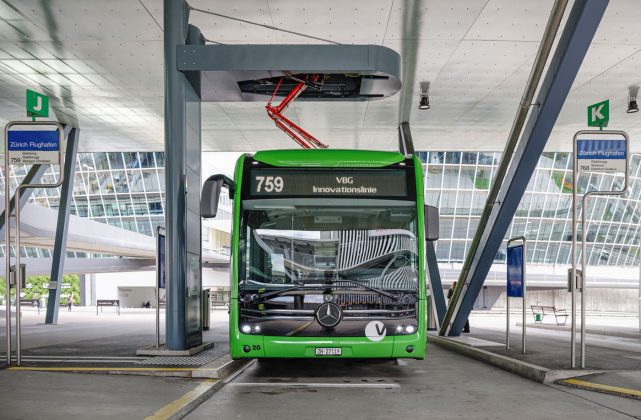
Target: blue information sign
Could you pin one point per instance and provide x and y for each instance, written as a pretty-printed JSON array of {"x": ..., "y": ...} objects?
[
  {"x": 602, "y": 155},
  {"x": 160, "y": 261},
  {"x": 33, "y": 147},
  {"x": 515, "y": 271}
]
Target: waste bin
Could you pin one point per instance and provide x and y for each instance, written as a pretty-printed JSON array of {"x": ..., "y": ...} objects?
[{"x": 206, "y": 308}]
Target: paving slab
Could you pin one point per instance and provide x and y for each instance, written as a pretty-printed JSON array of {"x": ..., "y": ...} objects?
[{"x": 444, "y": 385}]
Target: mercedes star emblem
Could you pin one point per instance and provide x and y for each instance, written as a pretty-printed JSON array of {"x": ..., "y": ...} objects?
[{"x": 328, "y": 315}]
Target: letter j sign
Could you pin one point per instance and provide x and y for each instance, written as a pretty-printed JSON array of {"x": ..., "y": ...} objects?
[{"x": 37, "y": 104}]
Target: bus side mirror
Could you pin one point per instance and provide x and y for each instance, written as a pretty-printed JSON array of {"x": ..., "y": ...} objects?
[
  {"x": 211, "y": 194},
  {"x": 431, "y": 223}
]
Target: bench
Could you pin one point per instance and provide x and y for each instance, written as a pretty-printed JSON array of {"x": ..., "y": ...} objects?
[
  {"x": 560, "y": 315},
  {"x": 107, "y": 302}
]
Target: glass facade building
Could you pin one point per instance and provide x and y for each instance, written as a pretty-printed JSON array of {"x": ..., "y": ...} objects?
[
  {"x": 458, "y": 183},
  {"x": 126, "y": 190}
]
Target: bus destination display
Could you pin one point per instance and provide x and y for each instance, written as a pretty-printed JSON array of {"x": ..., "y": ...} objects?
[{"x": 389, "y": 182}]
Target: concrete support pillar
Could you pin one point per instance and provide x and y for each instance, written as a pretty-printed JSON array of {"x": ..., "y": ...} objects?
[{"x": 182, "y": 178}]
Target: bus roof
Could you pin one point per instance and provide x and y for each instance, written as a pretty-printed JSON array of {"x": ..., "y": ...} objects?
[{"x": 337, "y": 158}]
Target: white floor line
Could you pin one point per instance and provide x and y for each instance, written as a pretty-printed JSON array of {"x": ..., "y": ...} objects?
[{"x": 314, "y": 385}]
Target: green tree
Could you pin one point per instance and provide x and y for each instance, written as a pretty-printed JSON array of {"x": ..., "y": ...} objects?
[{"x": 37, "y": 287}]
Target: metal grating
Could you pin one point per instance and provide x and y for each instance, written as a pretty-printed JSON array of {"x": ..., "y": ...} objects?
[{"x": 191, "y": 361}]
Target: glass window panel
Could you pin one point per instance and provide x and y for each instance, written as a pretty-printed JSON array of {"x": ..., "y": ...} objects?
[
  {"x": 146, "y": 159},
  {"x": 135, "y": 181},
  {"x": 150, "y": 180},
  {"x": 131, "y": 160},
  {"x": 443, "y": 250},
  {"x": 463, "y": 203},
  {"x": 115, "y": 160},
  {"x": 161, "y": 177},
  {"x": 466, "y": 179},
  {"x": 460, "y": 229},
  {"x": 120, "y": 182},
  {"x": 160, "y": 159},
  {"x": 105, "y": 183},
  {"x": 450, "y": 178},
  {"x": 434, "y": 176},
  {"x": 448, "y": 202},
  {"x": 471, "y": 230},
  {"x": 469, "y": 158},
  {"x": 453, "y": 157},
  {"x": 482, "y": 180},
  {"x": 101, "y": 160}
]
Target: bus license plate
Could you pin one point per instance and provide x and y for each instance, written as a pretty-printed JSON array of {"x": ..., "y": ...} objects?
[{"x": 332, "y": 351}]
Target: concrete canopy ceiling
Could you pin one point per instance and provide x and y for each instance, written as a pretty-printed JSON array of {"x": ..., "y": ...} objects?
[{"x": 102, "y": 64}]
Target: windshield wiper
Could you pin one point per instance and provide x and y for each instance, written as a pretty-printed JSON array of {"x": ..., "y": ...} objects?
[
  {"x": 257, "y": 297},
  {"x": 381, "y": 292},
  {"x": 373, "y": 289}
]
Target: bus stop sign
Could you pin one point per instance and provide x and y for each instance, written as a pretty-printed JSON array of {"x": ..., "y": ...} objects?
[
  {"x": 34, "y": 147},
  {"x": 515, "y": 271},
  {"x": 601, "y": 155}
]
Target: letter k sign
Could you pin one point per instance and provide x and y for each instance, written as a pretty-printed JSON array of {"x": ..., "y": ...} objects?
[
  {"x": 37, "y": 104},
  {"x": 599, "y": 114}
]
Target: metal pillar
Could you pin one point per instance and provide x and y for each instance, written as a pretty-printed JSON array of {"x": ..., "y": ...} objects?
[
  {"x": 579, "y": 30},
  {"x": 438, "y": 297},
  {"x": 405, "y": 142},
  {"x": 32, "y": 177},
  {"x": 182, "y": 178},
  {"x": 62, "y": 227}
]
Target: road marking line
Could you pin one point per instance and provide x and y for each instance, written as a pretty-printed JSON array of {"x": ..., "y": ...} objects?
[
  {"x": 315, "y": 384},
  {"x": 591, "y": 385},
  {"x": 186, "y": 403}
]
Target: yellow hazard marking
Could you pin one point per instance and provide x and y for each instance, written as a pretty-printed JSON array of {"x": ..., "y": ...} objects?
[
  {"x": 177, "y": 405},
  {"x": 610, "y": 388},
  {"x": 105, "y": 369}
]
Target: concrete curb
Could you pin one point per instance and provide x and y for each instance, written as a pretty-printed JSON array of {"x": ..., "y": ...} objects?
[
  {"x": 621, "y": 334},
  {"x": 526, "y": 370}
]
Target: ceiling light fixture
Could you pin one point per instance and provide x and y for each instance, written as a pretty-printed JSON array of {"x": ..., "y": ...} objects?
[
  {"x": 632, "y": 105},
  {"x": 424, "y": 102},
  {"x": 632, "y": 99}
]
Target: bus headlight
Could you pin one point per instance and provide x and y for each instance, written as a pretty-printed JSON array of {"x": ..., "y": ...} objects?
[
  {"x": 410, "y": 329},
  {"x": 257, "y": 329},
  {"x": 246, "y": 329},
  {"x": 399, "y": 329}
]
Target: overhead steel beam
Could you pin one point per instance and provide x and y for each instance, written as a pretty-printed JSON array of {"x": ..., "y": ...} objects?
[
  {"x": 573, "y": 45},
  {"x": 405, "y": 142},
  {"x": 62, "y": 227}
]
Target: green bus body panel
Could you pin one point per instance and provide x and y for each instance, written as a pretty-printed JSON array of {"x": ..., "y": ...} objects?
[
  {"x": 329, "y": 158},
  {"x": 304, "y": 347}
]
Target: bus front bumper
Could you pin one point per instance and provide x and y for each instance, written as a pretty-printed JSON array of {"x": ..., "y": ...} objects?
[{"x": 258, "y": 346}]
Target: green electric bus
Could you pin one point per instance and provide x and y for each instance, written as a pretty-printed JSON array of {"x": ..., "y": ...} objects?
[{"x": 326, "y": 255}]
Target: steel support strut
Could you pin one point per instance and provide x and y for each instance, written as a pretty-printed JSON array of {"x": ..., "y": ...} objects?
[
  {"x": 62, "y": 227},
  {"x": 575, "y": 40}
]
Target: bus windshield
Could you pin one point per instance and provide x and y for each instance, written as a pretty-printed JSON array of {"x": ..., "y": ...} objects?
[{"x": 305, "y": 243}]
